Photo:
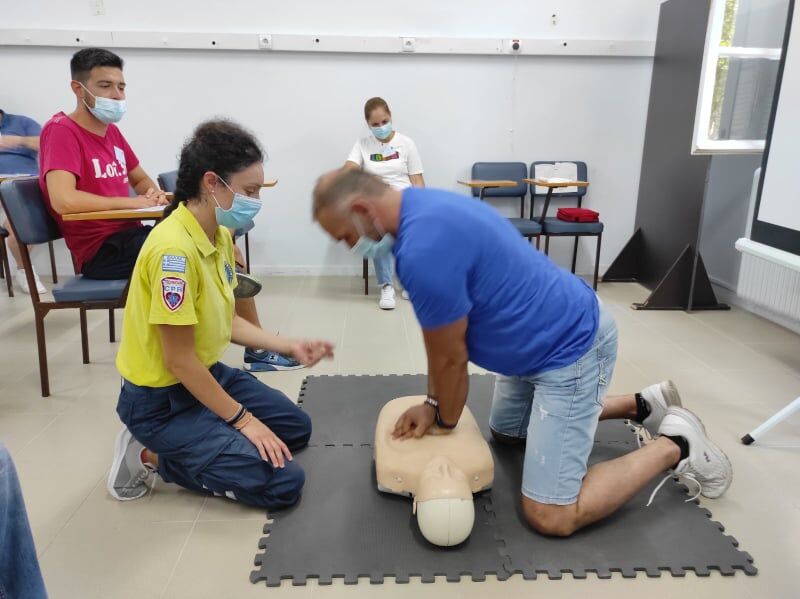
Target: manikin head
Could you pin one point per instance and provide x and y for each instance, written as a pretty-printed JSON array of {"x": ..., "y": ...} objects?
[{"x": 443, "y": 503}]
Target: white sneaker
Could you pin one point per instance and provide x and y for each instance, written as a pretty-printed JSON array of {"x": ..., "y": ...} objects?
[
  {"x": 22, "y": 282},
  {"x": 706, "y": 466},
  {"x": 404, "y": 294},
  {"x": 659, "y": 398},
  {"x": 387, "y": 301}
]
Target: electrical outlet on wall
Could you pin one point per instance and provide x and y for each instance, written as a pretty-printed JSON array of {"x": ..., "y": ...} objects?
[
  {"x": 98, "y": 7},
  {"x": 514, "y": 46},
  {"x": 408, "y": 44},
  {"x": 265, "y": 41}
]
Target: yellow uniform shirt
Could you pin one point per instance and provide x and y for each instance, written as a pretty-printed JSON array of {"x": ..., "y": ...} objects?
[{"x": 180, "y": 278}]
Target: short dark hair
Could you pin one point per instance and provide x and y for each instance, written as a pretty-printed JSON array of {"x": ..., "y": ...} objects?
[
  {"x": 83, "y": 61},
  {"x": 334, "y": 188}
]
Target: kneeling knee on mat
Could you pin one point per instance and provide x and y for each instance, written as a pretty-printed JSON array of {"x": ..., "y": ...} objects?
[{"x": 550, "y": 520}]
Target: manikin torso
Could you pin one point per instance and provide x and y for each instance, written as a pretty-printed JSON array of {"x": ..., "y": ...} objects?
[{"x": 440, "y": 471}]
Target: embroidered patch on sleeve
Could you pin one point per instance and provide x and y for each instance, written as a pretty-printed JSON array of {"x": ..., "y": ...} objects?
[
  {"x": 173, "y": 291},
  {"x": 170, "y": 263}
]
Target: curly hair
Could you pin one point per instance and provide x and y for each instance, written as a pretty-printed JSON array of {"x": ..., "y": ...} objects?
[{"x": 220, "y": 146}]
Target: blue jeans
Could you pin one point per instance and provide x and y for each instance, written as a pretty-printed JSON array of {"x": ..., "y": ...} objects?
[
  {"x": 557, "y": 411},
  {"x": 20, "y": 576},
  {"x": 383, "y": 269},
  {"x": 198, "y": 451}
]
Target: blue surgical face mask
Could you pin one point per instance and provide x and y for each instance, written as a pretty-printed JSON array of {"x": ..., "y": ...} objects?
[
  {"x": 241, "y": 213},
  {"x": 368, "y": 247},
  {"x": 382, "y": 132},
  {"x": 106, "y": 110}
]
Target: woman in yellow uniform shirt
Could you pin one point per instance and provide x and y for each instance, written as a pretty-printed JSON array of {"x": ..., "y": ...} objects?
[{"x": 188, "y": 416}]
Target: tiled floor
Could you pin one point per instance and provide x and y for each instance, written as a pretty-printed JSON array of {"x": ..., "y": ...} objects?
[{"x": 733, "y": 369}]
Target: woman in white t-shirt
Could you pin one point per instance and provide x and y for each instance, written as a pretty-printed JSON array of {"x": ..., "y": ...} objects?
[{"x": 394, "y": 158}]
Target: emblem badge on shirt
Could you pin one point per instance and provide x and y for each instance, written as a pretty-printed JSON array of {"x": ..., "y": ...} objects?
[
  {"x": 171, "y": 263},
  {"x": 173, "y": 291},
  {"x": 384, "y": 157},
  {"x": 229, "y": 273}
]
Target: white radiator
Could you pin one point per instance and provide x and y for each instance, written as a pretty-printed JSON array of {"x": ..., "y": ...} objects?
[{"x": 769, "y": 279}]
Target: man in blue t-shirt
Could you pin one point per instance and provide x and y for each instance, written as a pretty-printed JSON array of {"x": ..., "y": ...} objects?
[
  {"x": 19, "y": 152},
  {"x": 483, "y": 294}
]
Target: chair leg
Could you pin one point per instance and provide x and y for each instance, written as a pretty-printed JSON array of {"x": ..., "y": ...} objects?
[
  {"x": 777, "y": 418},
  {"x": 52, "y": 262},
  {"x": 597, "y": 261},
  {"x": 41, "y": 346},
  {"x": 84, "y": 336},
  {"x": 365, "y": 274},
  {"x": 574, "y": 254},
  {"x": 247, "y": 253},
  {"x": 112, "y": 335},
  {"x": 538, "y": 238},
  {"x": 6, "y": 268},
  {"x": 546, "y": 245}
]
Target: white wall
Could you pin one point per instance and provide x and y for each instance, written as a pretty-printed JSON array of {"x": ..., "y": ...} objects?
[{"x": 306, "y": 108}]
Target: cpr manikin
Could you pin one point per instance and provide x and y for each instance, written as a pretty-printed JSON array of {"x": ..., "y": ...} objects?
[{"x": 439, "y": 471}]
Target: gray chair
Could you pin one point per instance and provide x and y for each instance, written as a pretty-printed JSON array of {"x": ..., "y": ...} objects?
[
  {"x": 553, "y": 227},
  {"x": 510, "y": 171},
  {"x": 5, "y": 269},
  {"x": 168, "y": 182},
  {"x": 33, "y": 225}
]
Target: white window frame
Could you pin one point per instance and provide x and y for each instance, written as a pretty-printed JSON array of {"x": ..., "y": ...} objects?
[{"x": 701, "y": 143}]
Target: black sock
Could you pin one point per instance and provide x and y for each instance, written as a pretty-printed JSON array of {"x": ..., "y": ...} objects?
[
  {"x": 682, "y": 444},
  {"x": 642, "y": 409}
]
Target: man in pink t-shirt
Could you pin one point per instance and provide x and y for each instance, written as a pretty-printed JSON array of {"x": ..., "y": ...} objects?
[{"x": 86, "y": 165}]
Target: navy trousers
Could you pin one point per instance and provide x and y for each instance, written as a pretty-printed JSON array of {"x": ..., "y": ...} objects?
[{"x": 198, "y": 451}]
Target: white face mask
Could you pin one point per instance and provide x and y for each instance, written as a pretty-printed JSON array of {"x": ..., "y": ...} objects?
[{"x": 106, "y": 110}]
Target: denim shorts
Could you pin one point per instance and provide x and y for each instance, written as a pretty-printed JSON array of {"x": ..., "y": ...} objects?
[{"x": 557, "y": 412}]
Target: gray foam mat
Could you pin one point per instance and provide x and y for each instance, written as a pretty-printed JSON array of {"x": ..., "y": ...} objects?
[
  {"x": 343, "y": 527},
  {"x": 670, "y": 535},
  {"x": 344, "y": 409}
]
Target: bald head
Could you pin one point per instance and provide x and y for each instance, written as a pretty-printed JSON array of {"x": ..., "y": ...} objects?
[
  {"x": 335, "y": 188},
  {"x": 349, "y": 204}
]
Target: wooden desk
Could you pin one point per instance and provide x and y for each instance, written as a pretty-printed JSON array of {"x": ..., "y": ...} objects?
[
  {"x": 483, "y": 185},
  {"x": 154, "y": 213},
  {"x": 8, "y": 177}
]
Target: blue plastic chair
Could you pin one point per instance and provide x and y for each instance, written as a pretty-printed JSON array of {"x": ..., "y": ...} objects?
[
  {"x": 510, "y": 171},
  {"x": 33, "y": 225},
  {"x": 553, "y": 227},
  {"x": 169, "y": 181},
  {"x": 5, "y": 268}
]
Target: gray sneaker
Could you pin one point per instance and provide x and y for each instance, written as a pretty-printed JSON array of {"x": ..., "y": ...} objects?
[
  {"x": 247, "y": 286},
  {"x": 128, "y": 477}
]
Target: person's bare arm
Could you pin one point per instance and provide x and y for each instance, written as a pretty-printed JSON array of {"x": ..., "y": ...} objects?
[
  {"x": 144, "y": 186},
  {"x": 66, "y": 199},
  {"x": 181, "y": 360},
  {"x": 417, "y": 180},
  {"x": 447, "y": 373},
  {"x": 307, "y": 352},
  {"x": 350, "y": 165},
  {"x": 19, "y": 141}
]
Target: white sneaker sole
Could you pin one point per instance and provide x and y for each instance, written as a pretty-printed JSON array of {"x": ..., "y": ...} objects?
[
  {"x": 700, "y": 429},
  {"x": 387, "y": 307},
  {"x": 120, "y": 445},
  {"x": 248, "y": 366}
]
